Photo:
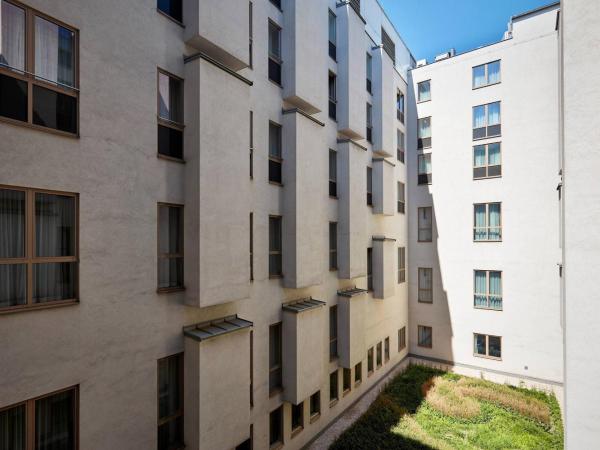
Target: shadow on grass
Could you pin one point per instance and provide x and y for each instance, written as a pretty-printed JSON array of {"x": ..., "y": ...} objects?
[{"x": 373, "y": 430}]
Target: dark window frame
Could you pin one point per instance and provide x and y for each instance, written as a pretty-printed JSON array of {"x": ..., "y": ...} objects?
[
  {"x": 333, "y": 333},
  {"x": 425, "y": 293},
  {"x": 333, "y": 173},
  {"x": 280, "y": 438},
  {"x": 421, "y": 343},
  {"x": 487, "y": 170},
  {"x": 179, "y": 414},
  {"x": 297, "y": 418},
  {"x": 333, "y": 247},
  {"x": 419, "y": 91},
  {"x": 427, "y": 141},
  {"x": 332, "y": 95},
  {"x": 167, "y": 123},
  {"x": 179, "y": 255},
  {"x": 370, "y": 269},
  {"x": 401, "y": 265},
  {"x": 487, "y": 346},
  {"x": 277, "y": 367},
  {"x": 334, "y": 388},
  {"x": 332, "y": 45},
  {"x": 178, "y": 20},
  {"x": 424, "y": 178},
  {"x": 401, "y": 202},
  {"x": 315, "y": 406},
  {"x": 423, "y": 228},
  {"x": 276, "y": 252},
  {"x": 401, "y": 339},
  {"x": 274, "y": 61},
  {"x": 276, "y": 159}
]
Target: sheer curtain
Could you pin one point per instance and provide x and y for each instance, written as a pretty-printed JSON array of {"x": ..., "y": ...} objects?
[
  {"x": 494, "y": 224},
  {"x": 424, "y": 130},
  {"x": 479, "y": 156},
  {"x": 54, "y": 52},
  {"x": 493, "y": 114},
  {"x": 494, "y": 154},
  {"x": 480, "y": 288},
  {"x": 495, "y": 290},
  {"x": 494, "y": 72},
  {"x": 12, "y": 37},
  {"x": 480, "y": 223},
  {"x": 12, "y": 245},
  {"x": 54, "y": 422},
  {"x": 479, "y": 117},
  {"x": 478, "y": 76},
  {"x": 424, "y": 164}
]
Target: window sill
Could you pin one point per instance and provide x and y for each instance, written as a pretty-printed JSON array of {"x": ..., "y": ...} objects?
[
  {"x": 333, "y": 269},
  {"x": 170, "y": 158},
  {"x": 346, "y": 392},
  {"x": 276, "y": 446},
  {"x": 494, "y": 136},
  {"x": 314, "y": 417},
  {"x": 423, "y": 101},
  {"x": 333, "y": 197},
  {"x": 332, "y": 403},
  {"x": 38, "y": 306},
  {"x": 275, "y": 83},
  {"x": 296, "y": 431},
  {"x": 370, "y": 373},
  {"x": 495, "y": 358},
  {"x": 487, "y": 178},
  {"x": 276, "y": 183},
  {"x": 485, "y": 308},
  {"x": 424, "y": 184},
  {"x": 32, "y": 126},
  {"x": 424, "y": 148},
  {"x": 275, "y": 277},
  {"x": 486, "y": 85},
  {"x": 487, "y": 241},
  {"x": 170, "y": 290},
  {"x": 357, "y": 383},
  {"x": 172, "y": 19},
  {"x": 424, "y": 346},
  {"x": 424, "y": 241},
  {"x": 426, "y": 302},
  {"x": 274, "y": 392}
]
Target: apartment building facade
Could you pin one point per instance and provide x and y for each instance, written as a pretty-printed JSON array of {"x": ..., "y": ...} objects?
[
  {"x": 202, "y": 220},
  {"x": 484, "y": 251}
]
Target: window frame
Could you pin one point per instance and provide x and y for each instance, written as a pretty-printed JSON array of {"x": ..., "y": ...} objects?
[
  {"x": 487, "y": 226},
  {"x": 369, "y": 127},
  {"x": 333, "y": 251},
  {"x": 421, "y": 289},
  {"x": 401, "y": 265},
  {"x": 316, "y": 414},
  {"x": 357, "y": 373},
  {"x": 419, "y": 91},
  {"x": 346, "y": 388},
  {"x": 332, "y": 45},
  {"x": 424, "y": 327},
  {"x": 30, "y": 415},
  {"x": 487, "y": 346},
  {"x": 334, "y": 376},
  {"x": 401, "y": 203},
  {"x": 277, "y": 367},
  {"x": 401, "y": 338},
  {"x": 279, "y": 252},
  {"x": 370, "y": 361},
  {"x": 332, "y": 80},
  {"x": 180, "y": 412},
  {"x": 300, "y": 426},
  {"x": 369, "y": 186},
  {"x": 370, "y": 269},
  {"x": 277, "y": 159},
  {"x": 251, "y": 138},
  {"x": 333, "y": 339},
  {"x": 487, "y": 294},
  {"x": 29, "y": 258},
  {"x": 400, "y": 146},
  {"x": 369, "y": 62},
  {"x": 420, "y": 228},
  {"x": 332, "y": 181},
  {"x": 487, "y": 77},
  {"x": 425, "y": 178},
  {"x": 280, "y": 441},
  {"x": 379, "y": 355},
  {"x": 386, "y": 349},
  {"x": 400, "y": 106},
  {"x": 28, "y": 76},
  {"x": 487, "y": 164},
  {"x": 162, "y": 122},
  {"x": 166, "y": 290},
  {"x": 487, "y": 126},
  {"x": 275, "y": 59},
  {"x": 427, "y": 141}
]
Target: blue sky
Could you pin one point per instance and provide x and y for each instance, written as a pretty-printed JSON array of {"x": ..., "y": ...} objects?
[{"x": 431, "y": 27}]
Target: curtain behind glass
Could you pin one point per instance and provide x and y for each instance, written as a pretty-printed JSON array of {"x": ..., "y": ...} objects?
[
  {"x": 13, "y": 428},
  {"x": 424, "y": 91},
  {"x": 424, "y": 128},
  {"x": 479, "y": 117},
  {"x": 480, "y": 288},
  {"x": 480, "y": 344},
  {"x": 274, "y": 41},
  {"x": 493, "y": 114},
  {"x": 478, "y": 76},
  {"x": 480, "y": 222},
  {"x": 496, "y": 290},
  {"x": 170, "y": 95},
  {"x": 274, "y": 140},
  {"x": 479, "y": 156},
  {"x": 55, "y": 422},
  {"x": 54, "y": 52},
  {"x": 54, "y": 225},
  {"x": 424, "y": 164},
  {"x": 12, "y": 37},
  {"x": 494, "y": 154},
  {"x": 494, "y": 222},
  {"x": 12, "y": 224},
  {"x": 494, "y": 72}
]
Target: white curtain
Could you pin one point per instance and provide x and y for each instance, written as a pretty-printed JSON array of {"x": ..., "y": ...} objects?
[
  {"x": 494, "y": 221},
  {"x": 424, "y": 164},
  {"x": 424, "y": 91},
  {"x": 493, "y": 114},
  {"x": 12, "y": 37},
  {"x": 479, "y": 116},
  {"x": 480, "y": 223},
  {"x": 424, "y": 129},
  {"x": 54, "y": 53},
  {"x": 479, "y": 76},
  {"x": 480, "y": 288},
  {"x": 494, "y": 154},
  {"x": 494, "y": 72},
  {"x": 479, "y": 155}
]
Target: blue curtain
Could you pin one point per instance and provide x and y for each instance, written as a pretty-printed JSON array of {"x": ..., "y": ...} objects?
[
  {"x": 480, "y": 288},
  {"x": 496, "y": 290},
  {"x": 480, "y": 223},
  {"x": 479, "y": 76},
  {"x": 494, "y": 221}
]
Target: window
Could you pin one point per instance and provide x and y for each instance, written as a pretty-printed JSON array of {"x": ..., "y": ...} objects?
[
  {"x": 400, "y": 146},
  {"x": 369, "y": 186},
  {"x": 170, "y": 115},
  {"x": 170, "y": 402},
  {"x": 401, "y": 338},
  {"x": 425, "y": 285},
  {"x": 486, "y": 121},
  {"x": 425, "y": 336},
  {"x": 487, "y": 346},
  {"x": 333, "y": 246},
  {"x": 388, "y": 45},
  {"x": 275, "y": 160},
  {"x": 332, "y": 36},
  {"x": 369, "y": 73},
  {"x": 401, "y": 264},
  {"x": 346, "y": 380},
  {"x": 251, "y": 144},
  {"x": 275, "y": 247},
  {"x": 39, "y": 255},
  {"x": 357, "y": 373},
  {"x": 276, "y": 3},
  {"x": 251, "y": 246},
  {"x": 400, "y": 106},
  {"x": 401, "y": 197},
  {"x": 275, "y": 53},
  {"x": 275, "y": 358},
  {"x": 486, "y": 74},
  {"x": 297, "y": 418},
  {"x": 45, "y": 423},
  {"x": 370, "y": 366},
  {"x": 424, "y": 91},
  {"x": 276, "y": 427},
  {"x": 379, "y": 355},
  {"x": 424, "y": 169},
  {"x": 333, "y": 387},
  {"x": 424, "y": 132},
  {"x": 171, "y": 8},
  {"x": 170, "y": 247},
  {"x": 315, "y": 405},
  {"x": 370, "y": 269},
  {"x": 332, "y": 173},
  {"x": 333, "y": 332},
  {"x": 487, "y": 161},
  {"x": 332, "y": 96},
  {"x": 38, "y": 76},
  {"x": 487, "y": 222},
  {"x": 369, "y": 122},
  {"x": 250, "y": 36},
  {"x": 488, "y": 289},
  {"x": 386, "y": 349},
  {"x": 425, "y": 223},
  {"x": 355, "y": 4}
]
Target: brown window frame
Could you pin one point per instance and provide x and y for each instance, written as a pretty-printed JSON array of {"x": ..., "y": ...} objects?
[
  {"x": 358, "y": 373},
  {"x": 420, "y": 228},
  {"x": 333, "y": 251},
  {"x": 419, "y": 91},
  {"x": 298, "y": 428},
  {"x": 276, "y": 252},
  {"x": 487, "y": 228},
  {"x": 180, "y": 412},
  {"x": 277, "y": 367},
  {"x": 161, "y": 121},
  {"x": 401, "y": 265},
  {"x": 314, "y": 400},
  {"x": 400, "y": 146},
  {"x": 487, "y": 166},
  {"x": 28, "y": 75},
  {"x": 333, "y": 340},
  {"x": 334, "y": 376},
  {"x": 278, "y": 159},
  {"x": 30, "y": 415},
  {"x": 419, "y": 327},
  {"x": 346, "y": 376},
  {"x": 401, "y": 202},
  {"x": 379, "y": 355},
  {"x": 487, "y": 347},
  {"x": 386, "y": 349},
  {"x": 371, "y": 366},
  {"x": 169, "y": 255},
  {"x": 487, "y": 294},
  {"x": 424, "y": 289},
  {"x": 30, "y": 259},
  {"x": 401, "y": 339}
]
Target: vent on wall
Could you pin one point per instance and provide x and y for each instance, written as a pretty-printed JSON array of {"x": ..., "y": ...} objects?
[
  {"x": 388, "y": 45},
  {"x": 421, "y": 62},
  {"x": 446, "y": 55}
]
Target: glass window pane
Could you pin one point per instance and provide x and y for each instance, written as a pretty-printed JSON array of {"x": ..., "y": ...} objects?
[
  {"x": 13, "y": 98},
  {"x": 171, "y": 8},
  {"x": 479, "y": 156},
  {"x": 170, "y": 142},
  {"x": 54, "y": 225},
  {"x": 54, "y": 52},
  {"x": 13, "y": 282},
  {"x": 479, "y": 76},
  {"x": 169, "y": 388},
  {"x": 424, "y": 128},
  {"x": 424, "y": 91},
  {"x": 170, "y": 95},
  {"x": 55, "y": 422},
  {"x": 494, "y": 154},
  {"x": 274, "y": 41},
  {"x": 13, "y": 428},
  {"x": 493, "y": 114},
  {"x": 169, "y": 226},
  {"x": 170, "y": 272},
  {"x": 12, "y": 38},
  {"x": 479, "y": 116},
  {"x": 53, "y": 282},
  {"x": 495, "y": 346},
  {"x": 274, "y": 140},
  {"x": 332, "y": 29},
  {"x": 496, "y": 283},
  {"x": 12, "y": 223},
  {"x": 54, "y": 110},
  {"x": 479, "y": 344},
  {"x": 170, "y": 434},
  {"x": 494, "y": 72}
]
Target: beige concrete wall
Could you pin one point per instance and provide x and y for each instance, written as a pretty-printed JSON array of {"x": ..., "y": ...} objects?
[
  {"x": 384, "y": 103},
  {"x": 384, "y": 267},
  {"x": 351, "y": 326},
  {"x": 384, "y": 187}
]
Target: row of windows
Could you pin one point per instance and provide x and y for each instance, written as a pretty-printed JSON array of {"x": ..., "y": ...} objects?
[{"x": 484, "y": 345}]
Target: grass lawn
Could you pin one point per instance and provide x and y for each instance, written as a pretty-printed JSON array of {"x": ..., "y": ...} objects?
[{"x": 424, "y": 408}]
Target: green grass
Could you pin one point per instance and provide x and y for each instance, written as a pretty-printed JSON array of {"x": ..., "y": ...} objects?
[{"x": 424, "y": 408}]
